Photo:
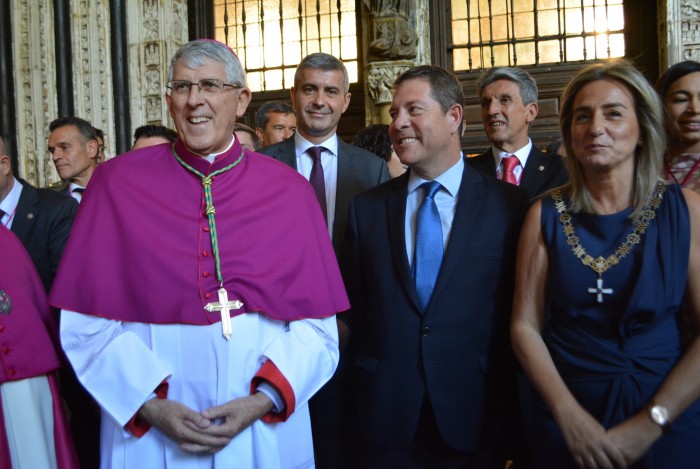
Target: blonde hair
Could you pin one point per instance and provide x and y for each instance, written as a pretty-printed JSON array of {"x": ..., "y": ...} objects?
[{"x": 650, "y": 115}]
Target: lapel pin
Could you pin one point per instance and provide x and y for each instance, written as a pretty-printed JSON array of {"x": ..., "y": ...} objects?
[
  {"x": 30, "y": 216},
  {"x": 541, "y": 168}
]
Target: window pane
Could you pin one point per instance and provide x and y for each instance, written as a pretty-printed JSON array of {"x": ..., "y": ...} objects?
[
  {"x": 271, "y": 47},
  {"x": 503, "y": 31},
  {"x": 524, "y": 26}
]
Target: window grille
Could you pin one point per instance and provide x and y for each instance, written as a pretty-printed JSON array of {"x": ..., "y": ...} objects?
[
  {"x": 488, "y": 33},
  {"x": 272, "y": 36}
]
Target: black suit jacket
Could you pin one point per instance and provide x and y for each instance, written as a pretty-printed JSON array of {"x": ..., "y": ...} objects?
[
  {"x": 542, "y": 172},
  {"x": 358, "y": 170},
  {"x": 42, "y": 222},
  {"x": 61, "y": 187},
  {"x": 455, "y": 353}
]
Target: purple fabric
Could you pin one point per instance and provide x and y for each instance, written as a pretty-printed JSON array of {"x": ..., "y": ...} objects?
[
  {"x": 28, "y": 337},
  {"x": 140, "y": 248},
  {"x": 28, "y": 334}
]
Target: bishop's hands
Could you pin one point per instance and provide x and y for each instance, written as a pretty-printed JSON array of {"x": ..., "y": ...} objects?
[
  {"x": 210, "y": 430},
  {"x": 182, "y": 424}
]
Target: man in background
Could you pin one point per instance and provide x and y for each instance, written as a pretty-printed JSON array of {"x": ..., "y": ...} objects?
[
  {"x": 275, "y": 121},
  {"x": 101, "y": 157},
  {"x": 148, "y": 135},
  {"x": 247, "y": 137},
  {"x": 508, "y": 98},
  {"x": 40, "y": 218},
  {"x": 74, "y": 148},
  {"x": 337, "y": 171}
]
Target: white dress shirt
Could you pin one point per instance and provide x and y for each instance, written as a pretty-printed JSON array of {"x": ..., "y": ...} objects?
[{"x": 9, "y": 204}]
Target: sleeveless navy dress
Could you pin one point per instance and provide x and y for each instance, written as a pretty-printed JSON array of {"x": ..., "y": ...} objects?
[{"x": 614, "y": 355}]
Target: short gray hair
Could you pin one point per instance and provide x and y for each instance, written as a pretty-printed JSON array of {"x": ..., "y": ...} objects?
[
  {"x": 322, "y": 61},
  {"x": 527, "y": 85},
  {"x": 193, "y": 53}
]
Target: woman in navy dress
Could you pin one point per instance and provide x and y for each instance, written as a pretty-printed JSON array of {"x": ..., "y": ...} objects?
[{"x": 605, "y": 264}]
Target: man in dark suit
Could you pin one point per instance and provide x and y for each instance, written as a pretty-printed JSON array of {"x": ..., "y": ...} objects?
[
  {"x": 431, "y": 315},
  {"x": 40, "y": 218},
  {"x": 508, "y": 98},
  {"x": 320, "y": 96},
  {"x": 75, "y": 150}
]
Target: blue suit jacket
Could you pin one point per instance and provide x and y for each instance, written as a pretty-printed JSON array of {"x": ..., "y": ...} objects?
[
  {"x": 358, "y": 170},
  {"x": 457, "y": 352}
]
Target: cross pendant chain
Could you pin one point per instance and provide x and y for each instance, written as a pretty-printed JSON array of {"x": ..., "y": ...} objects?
[
  {"x": 225, "y": 306},
  {"x": 599, "y": 290}
]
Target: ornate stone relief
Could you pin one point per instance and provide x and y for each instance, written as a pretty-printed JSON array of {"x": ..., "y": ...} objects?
[
  {"x": 92, "y": 66},
  {"x": 35, "y": 84},
  {"x": 393, "y": 33},
  {"x": 690, "y": 29},
  {"x": 394, "y": 43},
  {"x": 381, "y": 78},
  {"x": 157, "y": 28}
]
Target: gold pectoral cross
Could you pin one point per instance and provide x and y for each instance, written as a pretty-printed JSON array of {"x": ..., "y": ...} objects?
[{"x": 225, "y": 306}]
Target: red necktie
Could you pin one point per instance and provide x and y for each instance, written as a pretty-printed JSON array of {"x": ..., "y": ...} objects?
[
  {"x": 316, "y": 178},
  {"x": 509, "y": 163}
]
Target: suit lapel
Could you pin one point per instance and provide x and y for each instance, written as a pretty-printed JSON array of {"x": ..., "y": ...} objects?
[
  {"x": 471, "y": 193},
  {"x": 534, "y": 173},
  {"x": 396, "y": 220},
  {"x": 485, "y": 163},
  {"x": 286, "y": 153},
  {"x": 347, "y": 166},
  {"x": 26, "y": 213}
]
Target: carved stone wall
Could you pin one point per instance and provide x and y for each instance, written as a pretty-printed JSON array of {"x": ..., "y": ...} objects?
[
  {"x": 157, "y": 28},
  {"x": 92, "y": 66},
  {"x": 690, "y": 29},
  {"x": 395, "y": 37},
  {"x": 35, "y": 83},
  {"x": 679, "y": 30}
]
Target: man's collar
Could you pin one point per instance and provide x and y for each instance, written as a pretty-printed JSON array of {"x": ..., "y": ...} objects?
[
  {"x": 521, "y": 153},
  {"x": 11, "y": 200},
  {"x": 301, "y": 144},
  {"x": 450, "y": 179}
]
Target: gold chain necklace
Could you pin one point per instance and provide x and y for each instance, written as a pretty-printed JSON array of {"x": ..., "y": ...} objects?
[{"x": 601, "y": 264}]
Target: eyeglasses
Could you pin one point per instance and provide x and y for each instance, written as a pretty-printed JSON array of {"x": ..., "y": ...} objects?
[{"x": 207, "y": 85}]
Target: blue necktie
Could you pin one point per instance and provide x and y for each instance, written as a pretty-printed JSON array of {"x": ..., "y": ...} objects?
[{"x": 427, "y": 257}]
